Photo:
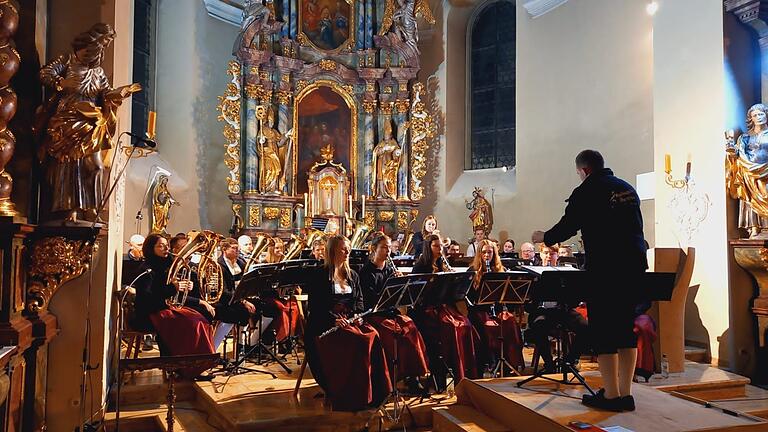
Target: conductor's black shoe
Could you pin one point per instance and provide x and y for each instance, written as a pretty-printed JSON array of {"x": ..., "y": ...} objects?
[{"x": 599, "y": 401}]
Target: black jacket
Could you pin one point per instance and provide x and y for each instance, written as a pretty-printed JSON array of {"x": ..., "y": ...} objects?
[
  {"x": 152, "y": 293},
  {"x": 322, "y": 300},
  {"x": 229, "y": 280},
  {"x": 606, "y": 210},
  {"x": 372, "y": 281}
]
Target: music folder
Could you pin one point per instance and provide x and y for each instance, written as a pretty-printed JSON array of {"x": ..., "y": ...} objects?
[
  {"x": 404, "y": 291},
  {"x": 505, "y": 287},
  {"x": 446, "y": 288}
]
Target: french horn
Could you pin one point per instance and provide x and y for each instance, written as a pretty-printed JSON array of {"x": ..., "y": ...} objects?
[{"x": 208, "y": 271}]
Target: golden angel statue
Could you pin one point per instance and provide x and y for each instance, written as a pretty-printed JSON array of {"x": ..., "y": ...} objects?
[
  {"x": 274, "y": 151},
  {"x": 400, "y": 21},
  {"x": 162, "y": 201},
  {"x": 482, "y": 212},
  {"x": 747, "y": 171},
  {"x": 77, "y": 123},
  {"x": 386, "y": 162}
]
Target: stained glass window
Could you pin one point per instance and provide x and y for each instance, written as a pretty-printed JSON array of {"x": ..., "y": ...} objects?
[
  {"x": 143, "y": 64},
  {"x": 492, "y": 87}
]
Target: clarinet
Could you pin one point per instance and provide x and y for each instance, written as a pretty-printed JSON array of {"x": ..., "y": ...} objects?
[{"x": 334, "y": 328}]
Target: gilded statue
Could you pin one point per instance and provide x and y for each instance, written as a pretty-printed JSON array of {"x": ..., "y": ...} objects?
[
  {"x": 747, "y": 171},
  {"x": 274, "y": 151},
  {"x": 258, "y": 19},
  {"x": 162, "y": 201},
  {"x": 77, "y": 123},
  {"x": 386, "y": 162},
  {"x": 482, "y": 212}
]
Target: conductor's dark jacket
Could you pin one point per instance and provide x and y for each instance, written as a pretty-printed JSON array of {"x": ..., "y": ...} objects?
[{"x": 607, "y": 211}]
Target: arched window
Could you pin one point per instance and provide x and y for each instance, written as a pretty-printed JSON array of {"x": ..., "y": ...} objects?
[{"x": 491, "y": 87}]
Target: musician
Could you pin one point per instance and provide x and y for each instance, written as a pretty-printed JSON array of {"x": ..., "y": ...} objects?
[
  {"x": 488, "y": 319},
  {"x": 397, "y": 328},
  {"x": 449, "y": 335},
  {"x": 275, "y": 250},
  {"x": 606, "y": 210},
  {"x": 349, "y": 364},
  {"x": 318, "y": 249},
  {"x": 232, "y": 266},
  {"x": 395, "y": 248},
  {"x": 178, "y": 242},
  {"x": 134, "y": 252},
  {"x": 548, "y": 255},
  {"x": 245, "y": 245},
  {"x": 474, "y": 245},
  {"x": 428, "y": 227},
  {"x": 527, "y": 251},
  {"x": 180, "y": 330},
  {"x": 283, "y": 311},
  {"x": 454, "y": 248}
]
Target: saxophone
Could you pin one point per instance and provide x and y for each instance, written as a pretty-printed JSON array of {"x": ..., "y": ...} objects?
[{"x": 209, "y": 273}]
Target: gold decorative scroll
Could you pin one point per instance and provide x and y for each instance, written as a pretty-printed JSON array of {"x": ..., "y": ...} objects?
[
  {"x": 271, "y": 212},
  {"x": 283, "y": 97},
  {"x": 402, "y": 105},
  {"x": 386, "y": 215},
  {"x": 254, "y": 216},
  {"x": 423, "y": 130},
  {"x": 369, "y": 106},
  {"x": 369, "y": 219},
  {"x": 402, "y": 220},
  {"x": 387, "y": 107},
  {"x": 328, "y": 65},
  {"x": 285, "y": 217},
  {"x": 229, "y": 109},
  {"x": 55, "y": 261},
  {"x": 301, "y": 84}
]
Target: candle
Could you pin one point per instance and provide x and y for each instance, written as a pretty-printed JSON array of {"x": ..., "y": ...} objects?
[
  {"x": 667, "y": 163},
  {"x": 362, "y": 215},
  {"x": 306, "y": 203},
  {"x": 351, "y": 212},
  {"x": 687, "y": 170},
  {"x": 151, "y": 124}
]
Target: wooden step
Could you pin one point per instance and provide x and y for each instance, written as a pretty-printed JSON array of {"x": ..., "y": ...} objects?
[
  {"x": 151, "y": 418},
  {"x": 696, "y": 354},
  {"x": 463, "y": 418},
  {"x": 702, "y": 381}
]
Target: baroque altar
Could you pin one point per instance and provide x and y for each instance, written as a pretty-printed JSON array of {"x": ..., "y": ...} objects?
[{"x": 321, "y": 86}]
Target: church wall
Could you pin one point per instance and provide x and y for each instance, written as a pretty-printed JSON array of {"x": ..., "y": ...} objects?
[
  {"x": 579, "y": 85},
  {"x": 192, "y": 54},
  {"x": 689, "y": 118}
]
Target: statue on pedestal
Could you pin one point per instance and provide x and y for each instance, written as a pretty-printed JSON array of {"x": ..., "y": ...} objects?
[
  {"x": 386, "y": 161},
  {"x": 274, "y": 151},
  {"x": 747, "y": 171},
  {"x": 77, "y": 123},
  {"x": 482, "y": 212},
  {"x": 258, "y": 18},
  {"x": 162, "y": 201}
]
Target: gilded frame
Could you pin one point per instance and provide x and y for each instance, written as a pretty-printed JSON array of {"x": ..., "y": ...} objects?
[
  {"x": 350, "y": 100},
  {"x": 303, "y": 39}
]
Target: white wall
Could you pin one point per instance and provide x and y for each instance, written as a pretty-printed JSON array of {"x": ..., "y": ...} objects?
[{"x": 193, "y": 50}]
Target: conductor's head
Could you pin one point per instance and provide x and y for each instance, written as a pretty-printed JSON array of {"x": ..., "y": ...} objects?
[{"x": 587, "y": 162}]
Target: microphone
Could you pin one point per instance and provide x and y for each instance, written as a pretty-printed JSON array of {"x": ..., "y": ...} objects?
[
  {"x": 141, "y": 141},
  {"x": 487, "y": 266}
]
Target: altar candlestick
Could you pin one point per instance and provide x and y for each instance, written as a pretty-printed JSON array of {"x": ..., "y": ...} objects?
[
  {"x": 362, "y": 216},
  {"x": 687, "y": 169},
  {"x": 667, "y": 163},
  {"x": 351, "y": 212},
  {"x": 306, "y": 203},
  {"x": 151, "y": 124}
]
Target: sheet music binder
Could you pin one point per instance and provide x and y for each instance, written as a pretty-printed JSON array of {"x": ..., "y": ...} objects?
[{"x": 505, "y": 287}]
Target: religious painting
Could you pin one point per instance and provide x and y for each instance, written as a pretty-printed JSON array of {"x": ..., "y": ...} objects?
[
  {"x": 323, "y": 118},
  {"x": 327, "y": 24}
]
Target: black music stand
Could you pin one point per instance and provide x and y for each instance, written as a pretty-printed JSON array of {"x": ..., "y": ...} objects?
[
  {"x": 398, "y": 292},
  {"x": 505, "y": 288},
  {"x": 261, "y": 279},
  {"x": 291, "y": 274}
]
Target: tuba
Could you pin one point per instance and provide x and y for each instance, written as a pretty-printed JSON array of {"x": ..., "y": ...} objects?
[
  {"x": 294, "y": 250},
  {"x": 407, "y": 244},
  {"x": 260, "y": 244},
  {"x": 208, "y": 271},
  {"x": 357, "y": 240},
  {"x": 313, "y": 235}
]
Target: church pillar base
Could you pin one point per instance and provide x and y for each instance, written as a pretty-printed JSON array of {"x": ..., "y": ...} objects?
[{"x": 752, "y": 256}]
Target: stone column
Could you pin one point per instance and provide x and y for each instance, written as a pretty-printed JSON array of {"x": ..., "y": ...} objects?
[
  {"x": 755, "y": 14},
  {"x": 9, "y": 21}
]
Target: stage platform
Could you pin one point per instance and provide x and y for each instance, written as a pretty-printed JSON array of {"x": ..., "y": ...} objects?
[{"x": 545, "y": 406}]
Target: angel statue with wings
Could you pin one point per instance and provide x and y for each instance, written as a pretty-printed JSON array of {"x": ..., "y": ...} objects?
[{"x": 399, "y": 24}]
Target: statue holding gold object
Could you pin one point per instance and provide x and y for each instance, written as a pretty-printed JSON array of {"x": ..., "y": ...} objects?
[
  {"x": 482, "y": 212},
  {"x": 747, "y": 171},
  {"x": 274, "y": 150},
  {"x": 78, "y": 122},
  {"x": 162, "y": 201},
  {"x": 386, "y": 161}
]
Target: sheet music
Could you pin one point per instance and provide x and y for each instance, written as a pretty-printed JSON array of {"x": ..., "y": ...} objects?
[{"x": 541, "y": 269}]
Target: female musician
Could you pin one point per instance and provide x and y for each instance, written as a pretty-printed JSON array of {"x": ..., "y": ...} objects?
[
  {"x": 450, "y": 337},
  {"x": 232, "y": 266},
  {"x": 283, "y": 311},
  {"x": 400, "y": 329},
  {"x": 485, "y": 318},
  {"x": 350, "y": 363},
  {"x": 428, "y": 227},
  {"x": 180, "y": 330}
]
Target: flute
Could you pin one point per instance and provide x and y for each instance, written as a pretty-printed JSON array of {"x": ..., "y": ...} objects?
[{"x": 336, "y": 327}]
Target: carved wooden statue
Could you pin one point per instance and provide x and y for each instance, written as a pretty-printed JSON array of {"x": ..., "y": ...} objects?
[
  {"x": 482, "y": 212},
  {"x": 77, "y": 123},
  {"x": 162, "y": 201},
  {"x": 274, "y": 151},
  {"x": 747, "y": 171},
  {"x": 386, "y": 161}
]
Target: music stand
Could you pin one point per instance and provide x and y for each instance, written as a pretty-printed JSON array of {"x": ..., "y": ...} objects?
[
  {"x": 504, "y": 288},
  {"x": 399, "y": 292},
  {"x": 292, "y": 273}
]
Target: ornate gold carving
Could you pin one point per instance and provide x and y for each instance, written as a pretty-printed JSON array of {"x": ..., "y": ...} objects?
[
  {"x": 402, "y": 105},
  {"x": 55, "y": 261},
  {"x": 370, "y": 86},
  {"x": 387, "y": 89},
  {"x": 271, "y": 212},
  {"x": 284, "y": 97},
  {"x": 254, "y": 216},
  {"x": 254, "y": 70},
  {"x": 423, "y": 130},
  {"x": 264, "y": 75},
  {"x": 229, "y": 109},
  {"x": 402, "y": 220},
  {"x": 301, "y": 85},
  {"x": 285, "y": 217},
  {"x": 386, "y": 215},
  {"x": 369, "y": 106},
  {"x": 387, "y": 107},
  {"x": 414, "y": 215},
  {"x": 285, "y": 77},
  {"x": 302, "y": 40},
  {"x": 404, "y": 86},
  {"x": 327, "y": 65},
  {"x": 253, "y": 91},
  {"x": 369, "y": 219}
]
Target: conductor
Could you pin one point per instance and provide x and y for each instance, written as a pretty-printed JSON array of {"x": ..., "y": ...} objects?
[{"x": 606, "y": 210}]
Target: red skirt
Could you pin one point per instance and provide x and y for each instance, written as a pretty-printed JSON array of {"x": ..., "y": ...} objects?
[
  {"x": 285, "y": 316},
  {"x": 183, "y": 331},
  {"x": 354, "y": 368},
  {"x": 503, "y": 324},
  {"x": 411, "y": 351},
  {"x": 456, "y": 336},
  {"x": 645, "y": 329}
]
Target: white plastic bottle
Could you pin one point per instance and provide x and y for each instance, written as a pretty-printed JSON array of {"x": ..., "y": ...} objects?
[
  {"x": 449, "y": 385},
  {"x": 664, "y": 366}
]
